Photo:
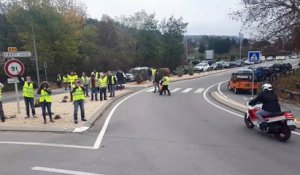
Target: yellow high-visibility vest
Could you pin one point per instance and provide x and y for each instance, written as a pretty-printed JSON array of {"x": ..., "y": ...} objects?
[
  {"x": 166, "y": 81},
  {"x": 103, "y": 82},
  {"x": 78, "y": 94},
  {"x": 65, "y": 79},
  {"x": 0, "y": 94},
  {"x": 45, "y": 96},
  {"x": 28, "y": 90}
]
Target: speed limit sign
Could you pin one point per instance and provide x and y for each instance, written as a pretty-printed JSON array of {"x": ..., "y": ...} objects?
[{"x": 14, "y": 67}]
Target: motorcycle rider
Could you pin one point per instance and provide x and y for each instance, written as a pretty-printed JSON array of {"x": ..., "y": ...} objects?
[{"x": 270, "y": 104}]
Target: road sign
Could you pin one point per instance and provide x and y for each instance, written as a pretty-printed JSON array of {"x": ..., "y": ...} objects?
[
  {"x": 14, "y": 67},
  {"x": 12, "y": 80},
  {"x": 16, "y": 54},
  {"x": 11, "y": 49},
  {"x": 254, "y": 56}
]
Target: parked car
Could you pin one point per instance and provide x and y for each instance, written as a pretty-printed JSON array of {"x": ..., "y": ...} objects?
[
  {"x": 225, "y": 64},
  {"x": 239, "y": 63},
  {"x": 217, "y": 66},
  {"x": 269, "y": 58},
  {"x": 137, "y": 72},
  {"x": 278, "y": 68},
  {"x": 247, "y": 62},
  {"x": 202, "y": 67}
]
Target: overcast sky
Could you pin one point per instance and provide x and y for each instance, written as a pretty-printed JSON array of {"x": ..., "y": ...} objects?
[{"x": 205, "y": 17}]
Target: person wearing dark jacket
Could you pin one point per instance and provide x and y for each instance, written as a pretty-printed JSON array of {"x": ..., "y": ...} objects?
[
  {"x": 270, "y": 103},
  {"x": 28, "y": 94},
  {"x": 157, "y": 79},
  {"x": 46, "y": 100}
]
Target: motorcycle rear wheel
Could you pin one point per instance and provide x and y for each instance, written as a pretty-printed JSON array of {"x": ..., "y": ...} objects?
[
  {"x": 284, "y": 134},
  {"x": 248, "y": 122}
]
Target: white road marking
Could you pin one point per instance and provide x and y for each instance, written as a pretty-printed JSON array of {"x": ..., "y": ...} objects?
[
  {"x": 61, "y": 171},
  {"x": 199, "y": 90},
  {"x": 150, "y": 90},
  {"x": 46, "y": 144},
  {"x": 81, "y": 129},
  {"x": 187, "y": 90},
  {"x": 241, "y": 116},
  {"x": 103, "y": 130},
  {"x": 175, "y": 90}
]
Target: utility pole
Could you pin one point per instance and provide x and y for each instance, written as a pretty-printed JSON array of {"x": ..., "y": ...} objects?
[
  {"x": 36, "y": 58},
  {"x": 186, "y": 46},
  {"x": 240, "y": 38}
]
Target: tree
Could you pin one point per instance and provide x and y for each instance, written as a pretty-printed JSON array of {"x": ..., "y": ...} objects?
[
  {"x": 173, "y": 47},
  {"x": 202, "y": 47},
  {"x": 270, "y": 18}
]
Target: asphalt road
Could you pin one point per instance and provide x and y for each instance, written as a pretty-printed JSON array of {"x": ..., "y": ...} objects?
[{"x": 184, "y": 133}]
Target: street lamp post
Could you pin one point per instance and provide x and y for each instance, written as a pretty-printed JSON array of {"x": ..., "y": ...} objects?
[
  {"x": 240, "y": 38},
  {"x": 35, "y": 56}
]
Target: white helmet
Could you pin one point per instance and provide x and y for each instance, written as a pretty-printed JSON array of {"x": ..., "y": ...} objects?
[{"x": 267, "y": 86}]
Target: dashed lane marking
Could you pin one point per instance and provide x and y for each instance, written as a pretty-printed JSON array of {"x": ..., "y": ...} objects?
[
  {"x": 175, "y": 90},
  {"x": 187, "y": 90},
  {"x": 198, "y": 91}
]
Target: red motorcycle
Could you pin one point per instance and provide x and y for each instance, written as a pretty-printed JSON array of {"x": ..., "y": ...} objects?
[{"x": 280, "y": 124}]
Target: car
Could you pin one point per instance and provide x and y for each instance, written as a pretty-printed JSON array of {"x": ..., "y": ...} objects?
[
  {"x": 247, "y": 62},
  {"x": 280, "y": 58},
  {"x": 134, "y": 72},
  {"x": 202, "y": 67},
  {"x": 279, "y": 68},
  {"x": 239, "y": 63},
  {"x": 226, "y": 64},
  {"x": 217, "y": 66},
  {"x": 242, "y": 80},
  {"x": 269, "y": 58}
]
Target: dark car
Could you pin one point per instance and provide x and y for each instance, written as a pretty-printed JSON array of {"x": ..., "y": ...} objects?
[
  {"x": 280, "y": 68},
  {"x": 217, "y": 66}
]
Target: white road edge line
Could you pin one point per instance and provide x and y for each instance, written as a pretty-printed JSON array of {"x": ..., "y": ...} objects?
[
  {"x": 103, "y": 130},
  {"x": 61, "y": 171},
  {"x": 46, "y": 144},
  {"x": 205, "y": 97}
]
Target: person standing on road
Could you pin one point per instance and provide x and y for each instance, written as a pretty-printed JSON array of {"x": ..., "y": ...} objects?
[
  {"x": 85, "y": 80},
  {"x": 102, "y": 85},
  {"x": 78, "y": 100},
  {"x": 270, "y": 103},
  {"x": 120, "y": 79},
  {"x": 165, "y": 85},
  {"x": 1, "y": 107},
  {"x": 65, "y": 80},
  {"x": 156, "y": 80},
  {"x": 28, "y": 94},
  {"x": 94, "y": 87},
  {"x": 58, "y": 80},
  {"x": 112, "y": 84},
  {"x": 45, "y": 100},
  {"x": 72, "y": 78}
]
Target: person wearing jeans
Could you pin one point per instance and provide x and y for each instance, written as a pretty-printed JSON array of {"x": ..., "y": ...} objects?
[
  {"x": 28, "y": 94},
  {"x": 112, "y": 85},
  {"x": 1, "y": 107},
  {"x": 45, "y": 100},
  {"x": 103, "y": 84},
  {"x": 94, "y": 87},
  {"x": 78, "y": 100}
]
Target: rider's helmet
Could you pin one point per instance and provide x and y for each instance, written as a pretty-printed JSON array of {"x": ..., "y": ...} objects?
[{"x": 267, "y": 87}]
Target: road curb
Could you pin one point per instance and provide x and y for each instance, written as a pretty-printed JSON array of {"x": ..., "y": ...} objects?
[{"x": 235, "y": 105}]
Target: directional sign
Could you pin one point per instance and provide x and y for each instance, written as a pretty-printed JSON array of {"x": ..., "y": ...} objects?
[
  {"x": 12, "y": 80},
  {"x": 254, "y": 56},
  {"x": 16, "y": 54},
  {"x": 14, "y": 67}
]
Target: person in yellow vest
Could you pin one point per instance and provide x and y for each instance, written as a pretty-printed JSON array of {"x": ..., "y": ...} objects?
[
  {"x": 28, "y": 94},
  {"x": 165, "y": 85},
  {"x": 112, "y": 81},
  {"x": 103, "y": 81},
  {"x": 65, "y": 80},
  {"x": 153, "y": 71},
  {"x": 85, "y": 81},
  {"x": 78, "y": 100},
  {"x": 45, "y": 100},
  {"x": 1, "y": 107},
  {"x": 58, "y": 80},
  {"x": 72, "y": 78}
]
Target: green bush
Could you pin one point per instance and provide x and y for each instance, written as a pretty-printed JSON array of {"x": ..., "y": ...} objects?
[
  {"x": 191, "y": 70},
  {"x": 179, "y": 71}
]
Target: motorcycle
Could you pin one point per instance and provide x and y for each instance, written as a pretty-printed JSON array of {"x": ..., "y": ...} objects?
[{"x": 280, "y": 124}]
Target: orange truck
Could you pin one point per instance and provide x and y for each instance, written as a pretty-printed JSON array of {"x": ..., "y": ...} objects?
[{"x": 242, "y": 81}]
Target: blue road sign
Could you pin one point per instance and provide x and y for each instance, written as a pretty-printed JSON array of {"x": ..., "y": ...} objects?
[{"x": 254, "y": 56}]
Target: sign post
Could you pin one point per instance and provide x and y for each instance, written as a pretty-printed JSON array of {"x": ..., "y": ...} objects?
[
  {"x": 253, "y": 57},
  {"x": 13, "y": 68}
]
